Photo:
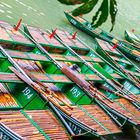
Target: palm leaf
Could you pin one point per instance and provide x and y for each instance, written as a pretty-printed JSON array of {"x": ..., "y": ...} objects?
[
  {"x": 113, "y": 12},
  {"x": 72, "y": 2},
  {"x": 101, "y": 15},
  {"x": 85, "y": 8}
]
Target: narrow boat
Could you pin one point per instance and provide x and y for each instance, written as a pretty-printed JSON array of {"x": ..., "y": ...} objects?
[
  {"x": 28, "y": 99},
  {"x": 123, "y": 46},
  {"x": 112, "y": 55},
  {"x": 132, "y": 38},
  {"x": 67, "y": 39}
]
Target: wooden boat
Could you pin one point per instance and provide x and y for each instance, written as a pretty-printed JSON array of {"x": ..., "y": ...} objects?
[
  {"x": 46, "y": 66},
  {"x": 122, "y": 45},
  {"x": 105, "y": 49},
  {"x": 83, "y": 121},
  {"x": 132, "y": 38}
]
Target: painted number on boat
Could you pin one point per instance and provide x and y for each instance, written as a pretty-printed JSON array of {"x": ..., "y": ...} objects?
[
  {"x": 3, "y": 136},
  {"x": 27, "y": 92},
  {"x": 138, "y": 59},
  {"x": 75, "y": 92},
  {"x": 75, "y": 129},
  {"x": 73, "y": 21}
]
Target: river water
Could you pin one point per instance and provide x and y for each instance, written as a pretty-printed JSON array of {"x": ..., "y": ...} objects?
[{"x": 49, "y": 14}]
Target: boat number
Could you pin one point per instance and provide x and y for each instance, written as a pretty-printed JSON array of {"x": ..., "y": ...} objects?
[
  {"x": 75, "y": 129},
  {"x": 73, "y": 21},
  {"x": 138, "y": 59},
  {"x": 127, "y": 85},
  {"x": 3, "y": 136},
  {"x": 27, "y": 92},
  {"x": 75, "y": 92}
]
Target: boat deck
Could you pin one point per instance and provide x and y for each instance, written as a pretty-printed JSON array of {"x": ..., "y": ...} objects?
[
  {"x": 97, "y": 119},
  {"x": 22, "y": 126}
]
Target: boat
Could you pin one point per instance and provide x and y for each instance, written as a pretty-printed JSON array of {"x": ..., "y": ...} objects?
[
  {"x": 123, "y": 46},
  {"x": 105, "y": 49},
  {"x": 112, "y": 64},
  {"x": 132, "y": 38},
  {"x": 67, "y": 39}
]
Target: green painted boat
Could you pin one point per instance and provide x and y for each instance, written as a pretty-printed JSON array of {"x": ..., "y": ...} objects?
[
  {"x": 132, "y": 38},
  {"x": 122, "y": 45},
  {"x": 105, "y": 49},
  {"x": 46, "y": 68},
  {"x": 67, "y": 39},
  {"x": 113, "y": 64}
]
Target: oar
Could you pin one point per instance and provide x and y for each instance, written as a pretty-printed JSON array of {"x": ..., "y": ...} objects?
[
  {"x": 131, "y": 44},
  {"x": 46, "y": 88},
  {"x": 61, "y": 67},
  {"x": 89, "y": 66},
  {"x": 126, "y": 89},
  {"x": 96, "y": 92},
  {"x": 36, "y": 87},
  {"x": 108, "y": 62}
]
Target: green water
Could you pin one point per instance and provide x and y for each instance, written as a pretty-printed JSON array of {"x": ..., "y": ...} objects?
[{"x": 49, "y": 14}]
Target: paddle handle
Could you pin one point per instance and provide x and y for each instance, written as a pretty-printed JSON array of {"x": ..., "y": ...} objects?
[{"x": 51, "y": 100}]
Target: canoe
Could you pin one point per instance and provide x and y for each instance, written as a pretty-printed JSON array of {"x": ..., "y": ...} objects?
[
  {"x": 122, "y": 45},
  {"x": 105, "y": 49},
  {"x": 132, "y": 38}
]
